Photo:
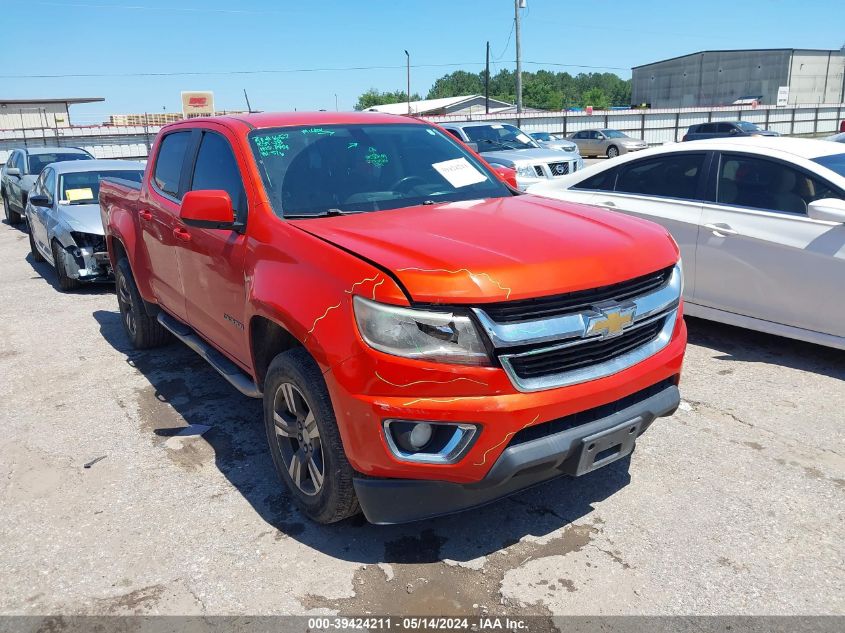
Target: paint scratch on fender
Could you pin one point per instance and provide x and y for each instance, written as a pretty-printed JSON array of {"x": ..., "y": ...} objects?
[
  {"x": 429, "y": 382},
  {"x": 320, "y": 318},
  {"x": 362, "y": 282},
  {"x": 442, "y": 400}
]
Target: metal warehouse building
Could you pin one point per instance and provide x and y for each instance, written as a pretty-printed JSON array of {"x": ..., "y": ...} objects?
[
  {"x": 18, "y": 114},
  {"x": 721, "y": 77}
]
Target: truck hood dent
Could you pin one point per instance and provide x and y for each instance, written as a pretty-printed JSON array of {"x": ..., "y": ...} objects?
[
  {"x": 82, "y": 218},
  {"x": 500, "y": 249}
]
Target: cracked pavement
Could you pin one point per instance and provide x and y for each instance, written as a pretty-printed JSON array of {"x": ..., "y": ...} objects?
[{"x": 733, "y": 506}]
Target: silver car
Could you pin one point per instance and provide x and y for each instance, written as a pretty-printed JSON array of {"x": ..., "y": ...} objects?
[
  {"x": 549, "y": 141},
  {"x": 63, "y": 215},
  {"x": 21, "y": 169},
  {"x": 508, "y": 146},
  {"x": 604, "y": 142}
]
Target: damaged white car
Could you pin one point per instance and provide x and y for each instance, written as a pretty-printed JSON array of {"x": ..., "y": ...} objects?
[{"x": 63, "y": 215}]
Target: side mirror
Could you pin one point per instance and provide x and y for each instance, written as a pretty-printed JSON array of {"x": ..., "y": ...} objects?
[
  {"x": 208, "y": 209},
  {"x": 472, "y": 146},
  {"x": 733, "y": 131},
  {"x": 13, "y": 171},
  {"x": 507, "y": 174},
  {"x": 828, "y": 209},
  {"x": 40, "y": 200}
]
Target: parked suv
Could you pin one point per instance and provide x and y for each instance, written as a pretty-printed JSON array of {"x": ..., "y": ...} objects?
[
  {"x": 22, "y": 168},
  {"x": 425, "y": 338},
  {"x": 725, "y": 129},
  {"x": 501, "y": 144}
]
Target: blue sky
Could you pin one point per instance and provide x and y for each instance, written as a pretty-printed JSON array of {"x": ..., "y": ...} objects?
[{"x": 118, "y": 37}]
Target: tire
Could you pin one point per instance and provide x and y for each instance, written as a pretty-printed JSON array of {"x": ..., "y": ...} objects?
[
  {"x": 612, "y": 151},
  {"x": 305, "y": 445},
  {"x": 143, "y": 331},
  {"x": 36, "y": 254},
  {"x": 65, "y": 283}
]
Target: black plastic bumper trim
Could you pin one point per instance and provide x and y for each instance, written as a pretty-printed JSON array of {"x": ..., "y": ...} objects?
[{"x": 388, "y": 501}]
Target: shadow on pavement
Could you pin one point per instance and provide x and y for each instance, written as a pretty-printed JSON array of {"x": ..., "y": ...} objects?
[
  {"x": 739, "y": 344},
  {"x": 183, "y": 380}
]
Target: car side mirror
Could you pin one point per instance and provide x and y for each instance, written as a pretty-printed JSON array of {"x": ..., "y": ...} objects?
[
  {"x": 13, "y": 171},
  {"x": 507, "y": 174},
  {"x": 208, "y": 209},
  {"x": 827, "y": 209},
  {"x": 733, "y": 131},
  {"x": 472, "y": 146},
  {"x": 40, "y": 200}
]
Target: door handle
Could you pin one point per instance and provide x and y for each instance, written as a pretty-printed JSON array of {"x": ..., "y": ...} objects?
[
  {"x": 145, "y": 215},
  {"x": 182, "y": 234},
  {"x": 721, "y": 230}
]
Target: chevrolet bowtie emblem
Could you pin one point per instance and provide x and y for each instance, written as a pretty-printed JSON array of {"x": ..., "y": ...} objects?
[{"x": 611, "y": 322}]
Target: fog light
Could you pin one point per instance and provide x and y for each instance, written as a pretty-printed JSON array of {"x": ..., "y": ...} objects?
[{"x": 430, "y": 442}]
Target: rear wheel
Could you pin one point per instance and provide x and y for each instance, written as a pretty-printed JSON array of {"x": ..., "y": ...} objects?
[
  {"x": 612, "y": 151},
  {"x": 12, "y": 217},
  {"x": 65, "y": 282},
  {"x": 304, "y": 439},
  {"x": 36, "y": 254},
  {"x": 143, "y": 330}
]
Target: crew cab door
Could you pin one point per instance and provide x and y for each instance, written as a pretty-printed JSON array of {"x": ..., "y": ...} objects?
[
  {"x": 667, "y": 189},
  {"x": 760, "y": 255},
  {"x": 212, "y": 260},
  {"x": 158, "y": 210}
]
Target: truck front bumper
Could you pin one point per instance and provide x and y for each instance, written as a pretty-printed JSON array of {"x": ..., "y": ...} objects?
[{"x": 609, "y": 435}]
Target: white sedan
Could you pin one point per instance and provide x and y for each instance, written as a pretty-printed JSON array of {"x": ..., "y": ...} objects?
[{"x": 760, "y": 222}]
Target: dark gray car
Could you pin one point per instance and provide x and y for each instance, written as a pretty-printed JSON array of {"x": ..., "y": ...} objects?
[
  {"x": 725, "y": 129},
  {"x": 22, "y": 168}
]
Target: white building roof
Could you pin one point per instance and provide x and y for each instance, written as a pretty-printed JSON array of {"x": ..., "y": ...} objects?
[{"x": 431, "y": 105}]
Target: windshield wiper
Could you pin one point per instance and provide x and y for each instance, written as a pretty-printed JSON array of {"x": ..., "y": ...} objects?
[{"x": 322, "y": 214}]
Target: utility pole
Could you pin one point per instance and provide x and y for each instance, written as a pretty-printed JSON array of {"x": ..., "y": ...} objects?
[
  {"x": 408, "y": 66},
  {"x": 248, "y": 107},
  {"x": 487, "y": 82},
  {"x": 517, "y": 5}
]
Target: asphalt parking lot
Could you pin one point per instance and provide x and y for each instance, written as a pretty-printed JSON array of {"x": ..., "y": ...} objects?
[{"x": 733, "y": 506}]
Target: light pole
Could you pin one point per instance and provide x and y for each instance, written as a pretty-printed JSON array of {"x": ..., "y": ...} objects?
[
  {"x": 517, "y": 5},
  {"x": 408, "y": 68}
]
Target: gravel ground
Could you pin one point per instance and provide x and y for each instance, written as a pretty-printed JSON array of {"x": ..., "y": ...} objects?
[{"x": 733, "y": 506}]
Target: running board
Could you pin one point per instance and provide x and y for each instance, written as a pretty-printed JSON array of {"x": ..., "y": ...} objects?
[{"x": 223, "y": 365}]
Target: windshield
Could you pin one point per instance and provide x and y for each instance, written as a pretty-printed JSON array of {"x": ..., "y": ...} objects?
[
  {"x": 747, "y": 127},
  {"x": 542, "y": 136},
  {"x": 834, "y": 162},
  {"x": 37, "y": 162},
  {"x": 614, "y": 134},
  {"x": 84, "y": 187},
  {"x": 355, "y": 168},
  {"x": 498, "y": 136}
]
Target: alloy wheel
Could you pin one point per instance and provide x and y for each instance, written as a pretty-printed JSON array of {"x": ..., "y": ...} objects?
[
  {"x": 298, "y": 438},
  {"x": 124, "y": 298}
]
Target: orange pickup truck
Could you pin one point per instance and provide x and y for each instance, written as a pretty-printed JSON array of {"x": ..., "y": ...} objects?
[{"x": 425, "y": 337}]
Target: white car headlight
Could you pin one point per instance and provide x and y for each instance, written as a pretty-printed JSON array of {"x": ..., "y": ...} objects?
[
  {"x": 438, "y": 337},
  {"x": 526, "y": 171}
]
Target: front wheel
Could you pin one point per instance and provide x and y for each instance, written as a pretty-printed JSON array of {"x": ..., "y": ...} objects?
[
  {"x": 305, "y": 442},
  {"x": 612, "y": 151},
  {"x": 65, "y": 281}
]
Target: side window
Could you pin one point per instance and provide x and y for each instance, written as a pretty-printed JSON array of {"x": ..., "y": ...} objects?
[
  {"x": 171, "y": 155},
  {"x": 725, "y": 128},
  {"x": 671, "y": 176},
  {"x": 768, "y": 185},
  {"x": 578, "y": 135},
  {"x": 216, "y": 168},
  {"x": 49, "y": 183},
  {"x": 454, "y": 133},
  {"x": 603, "y": 181},
  {"x": 11, "y": 160},
  {"x": 19, "y": 163}
]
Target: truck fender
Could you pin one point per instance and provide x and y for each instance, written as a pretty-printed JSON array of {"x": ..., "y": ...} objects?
[{"x": 123, "y": 230}]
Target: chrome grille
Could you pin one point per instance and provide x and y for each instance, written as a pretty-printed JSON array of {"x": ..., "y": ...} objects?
[
  {"x": 538, "y": 169},
  {"x": 559, "y": 169}
]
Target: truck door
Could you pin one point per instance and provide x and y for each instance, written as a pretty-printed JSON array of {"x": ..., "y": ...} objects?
[
  {"x": 212, "y": 260},
  {"x": 158, "y": 209}
]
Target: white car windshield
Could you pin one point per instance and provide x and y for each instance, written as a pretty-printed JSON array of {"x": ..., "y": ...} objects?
[
  {"x": 336, "y": 169},
  {"x": 834, "y": 162}
]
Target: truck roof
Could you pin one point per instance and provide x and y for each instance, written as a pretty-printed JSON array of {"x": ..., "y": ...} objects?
[{"x": 281, "y": 119}]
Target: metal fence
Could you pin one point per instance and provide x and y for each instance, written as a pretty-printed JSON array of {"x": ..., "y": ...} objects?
[
  {"x": 669, "y": 125},
  {"x": 654, "y": 126}
]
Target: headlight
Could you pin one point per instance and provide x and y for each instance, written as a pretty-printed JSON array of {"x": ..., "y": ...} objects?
[
  {"x": 570, "y": 148},
  {"x": 439, "y": 337},
  {"x": 526, "y": 171}
]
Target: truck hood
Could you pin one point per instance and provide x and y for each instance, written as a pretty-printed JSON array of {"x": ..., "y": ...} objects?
[
  {"x": 529, "y": 156},
  {"x": 499, "y": 249},
  {"x": 83, "y": 218}
]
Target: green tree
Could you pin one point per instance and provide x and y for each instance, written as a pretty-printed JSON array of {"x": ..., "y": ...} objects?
[
  {"x": 373, "y": 97},
  {"x": 595, "y": 97},
  {"x": 457, "y": 84}
]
